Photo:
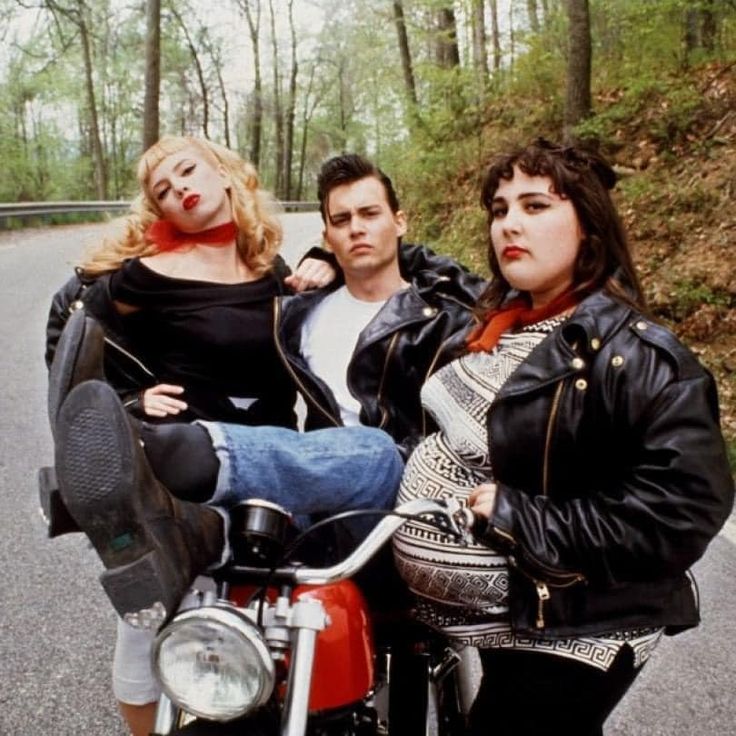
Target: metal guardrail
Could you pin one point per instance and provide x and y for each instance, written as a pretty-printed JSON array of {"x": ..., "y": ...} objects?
[{"x": 33, "y": 209}]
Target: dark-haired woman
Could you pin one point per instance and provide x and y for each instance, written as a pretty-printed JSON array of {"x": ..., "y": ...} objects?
[{"x": 586, "y": 439}]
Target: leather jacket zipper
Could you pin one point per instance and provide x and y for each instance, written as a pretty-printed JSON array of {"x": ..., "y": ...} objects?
[
  {"x": 379, "y": 397},
  {"x": 429, "y": 372},
  {"x": 542, "y": 587},
  {"x": 433, "y": 363},
  {"x": 543, "y": 596},
  {"x": 79, "y": 304},
  {"x": 548, "y": 438},
  {"x": 543, "y": 593},
  {"x": 129, "y": 356},
  {"x": 302, "y": 388}
]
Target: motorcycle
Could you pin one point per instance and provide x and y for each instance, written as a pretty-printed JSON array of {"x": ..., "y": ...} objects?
[{"x": 281, "y": 647}]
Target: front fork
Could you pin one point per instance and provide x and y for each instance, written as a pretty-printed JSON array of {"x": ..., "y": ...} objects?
[
  {"x": 420, "y": 692},
  {"x": 307, "y": 619},
  {"x": 293, "y": 626},
  {"x": 167, "y": 716}
]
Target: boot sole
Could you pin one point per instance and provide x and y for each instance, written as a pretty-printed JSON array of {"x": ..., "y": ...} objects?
[{"x": 97, "y": 462}]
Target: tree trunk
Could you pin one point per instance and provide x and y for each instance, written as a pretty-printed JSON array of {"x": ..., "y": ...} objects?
[
  {"x": 152, "y": 73},
  {"x": 709, "y": 27},
  {"x": 531, "y": 9},
  {"x": 343, "y": 113},
  {"x": 512, "y": 37},
  {"x": 254, "y": 22},
  {"x": 405, "y": 53},
  {"x": 495, "y": 35},
  {"x": 97, "y": 152},
  {"x": 689, "y": 35},
  {"x": 198, "y": 68},
  {"x": 76, "y": 15},
  {"x": 578, "y": 104},
  {"x": 307, "y": 114},
  {"x": 290, "y": 108},
  {"x": 447, "y": 53},
  {"x": 278, "y": 113},
  {"x": 217, "y": 63},
  {"x": 480, "y": 56}
]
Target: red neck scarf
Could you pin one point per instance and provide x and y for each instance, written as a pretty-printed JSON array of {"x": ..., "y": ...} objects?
[
  {"x": 168, "y": 237},
  {"x": 514, "y": 315}
]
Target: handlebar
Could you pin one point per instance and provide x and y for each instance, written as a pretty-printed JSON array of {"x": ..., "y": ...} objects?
[{"x": 447, "y": 515}]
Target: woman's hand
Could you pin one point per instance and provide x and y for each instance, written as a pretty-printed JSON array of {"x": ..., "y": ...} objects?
[
  {"x": 312, "y": 273},
  {"x": 160, "y": 401},
  {"x": 482, "y": 499}
]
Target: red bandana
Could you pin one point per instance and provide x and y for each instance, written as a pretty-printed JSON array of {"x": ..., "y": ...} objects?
[
  {"x": 515, "y": 314},
  {"x": 168, "y": 237}
]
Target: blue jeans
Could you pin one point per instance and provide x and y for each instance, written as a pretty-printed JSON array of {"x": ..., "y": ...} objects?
[{"x": 324, "y": 471}]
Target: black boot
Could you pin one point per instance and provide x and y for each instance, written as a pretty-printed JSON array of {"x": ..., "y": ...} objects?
[
  {"x": 182, "y": 458},
  {"x": 78, "y": 357},
  {"x": 152, "y": 544}
]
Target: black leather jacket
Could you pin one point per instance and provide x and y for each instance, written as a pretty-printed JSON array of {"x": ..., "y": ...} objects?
[
  {"x": 125, "y": 370},
  {"x": 612, "y": 476},
  {"x": 418, "y": 330}
]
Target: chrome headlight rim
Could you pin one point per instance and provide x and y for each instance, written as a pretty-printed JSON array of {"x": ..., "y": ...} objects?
[{"x": 234, "y": 620}]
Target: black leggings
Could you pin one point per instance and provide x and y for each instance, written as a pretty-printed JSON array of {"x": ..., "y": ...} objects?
[{"x": 530, "y": 693}]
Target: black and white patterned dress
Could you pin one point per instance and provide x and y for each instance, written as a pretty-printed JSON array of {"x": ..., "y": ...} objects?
[{"x": 463, "y": 590}]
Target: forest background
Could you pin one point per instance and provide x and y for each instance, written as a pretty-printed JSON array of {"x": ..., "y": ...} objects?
[{"x": 430, "y": 89}]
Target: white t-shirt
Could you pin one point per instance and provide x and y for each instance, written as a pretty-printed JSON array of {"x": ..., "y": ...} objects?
[{"x": 329, "y": 336}]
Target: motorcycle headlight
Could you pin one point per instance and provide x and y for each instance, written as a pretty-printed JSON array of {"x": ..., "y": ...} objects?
[{"x": 213, "y": 662}]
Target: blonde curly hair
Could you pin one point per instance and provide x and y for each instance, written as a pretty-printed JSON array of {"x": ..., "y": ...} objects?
[{"x": 254, "y": 210}]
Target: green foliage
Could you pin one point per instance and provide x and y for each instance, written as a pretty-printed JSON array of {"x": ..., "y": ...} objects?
[
  {"x": 691, "y": 294},
  {"x": 70, "y": 218},
  {"x": 666, "y": 109},
  {"x": 731, "y": 450}
]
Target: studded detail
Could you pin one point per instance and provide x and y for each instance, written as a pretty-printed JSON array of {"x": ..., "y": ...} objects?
[
  {"x": 581, "y": 384},
  {"x": 577, "y": 363},
  {"x": 595, "y": 344},
  {"x": 75, "y": 305},
  {"x": 641, "y": 325},
  {"x": 429, "y": 311},
  {"x": 617, "y": 361}
]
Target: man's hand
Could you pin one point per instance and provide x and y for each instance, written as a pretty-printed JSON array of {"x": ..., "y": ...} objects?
[
  {"x": 482, "y": 499},
  {"x": 159, "y": 401},
  {"x": 311, "y": 273}
]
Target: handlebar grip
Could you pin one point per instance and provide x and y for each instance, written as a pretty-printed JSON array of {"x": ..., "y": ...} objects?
[{"x": 469, "y": 520}]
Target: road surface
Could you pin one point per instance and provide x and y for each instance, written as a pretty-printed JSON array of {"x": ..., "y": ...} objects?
[{"x": 57, "y": 628}]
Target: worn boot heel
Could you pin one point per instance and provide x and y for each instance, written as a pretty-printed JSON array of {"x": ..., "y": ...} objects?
[
  {"x": 132, "y": 587},
  {"x": 102, "y": 477},
  {"x": 54, "y": 512}
]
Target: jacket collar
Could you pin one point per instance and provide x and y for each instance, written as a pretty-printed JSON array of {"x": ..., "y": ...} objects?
[
  {"x": 567, "y": 351},
  {"x": 405, "y": 307}
]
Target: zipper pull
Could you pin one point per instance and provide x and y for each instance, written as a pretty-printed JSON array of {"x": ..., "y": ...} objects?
[{"x": 543, "y": 594}]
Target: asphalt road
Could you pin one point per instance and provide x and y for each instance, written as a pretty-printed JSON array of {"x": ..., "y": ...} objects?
[{"x": 56, "y": 626}]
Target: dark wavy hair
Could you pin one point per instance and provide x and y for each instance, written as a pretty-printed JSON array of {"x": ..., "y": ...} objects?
[
  {"x": 346, "y": 169},
  {"x": 585, "y": 178}
]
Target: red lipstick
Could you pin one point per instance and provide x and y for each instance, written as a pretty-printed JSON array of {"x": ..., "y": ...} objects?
[
  {"x": 190, "y": 201},
  {"x": 513, "y": 252}
]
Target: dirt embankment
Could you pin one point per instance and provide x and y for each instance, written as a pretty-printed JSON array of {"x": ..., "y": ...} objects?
[{"x": 679, "y": 203}]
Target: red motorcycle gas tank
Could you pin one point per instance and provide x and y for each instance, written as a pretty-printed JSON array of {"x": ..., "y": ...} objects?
[{"x": 343, "y": 666}]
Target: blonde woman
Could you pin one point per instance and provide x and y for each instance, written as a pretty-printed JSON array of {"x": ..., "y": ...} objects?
[
  {"x": 186, "y": 293},
  {"x": 185, "y": 296}
]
